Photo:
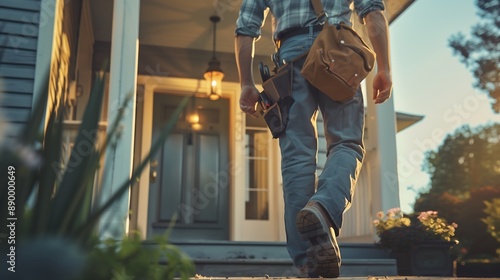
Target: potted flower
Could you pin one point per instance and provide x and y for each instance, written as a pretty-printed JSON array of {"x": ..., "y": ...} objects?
[{"x": 420, "y": 243}]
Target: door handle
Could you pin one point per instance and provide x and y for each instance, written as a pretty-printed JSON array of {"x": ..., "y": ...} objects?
[
  {"x": 152, "y": 177},
  {"x": 153, "y": 174}
]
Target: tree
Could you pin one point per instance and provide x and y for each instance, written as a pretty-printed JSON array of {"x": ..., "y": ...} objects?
[
  {"x": 481, "y": 52},
  {"x": 467, "y": 159},
  {"x": 472, "y": 231},
  {"x": 492, "y": 219},
  {"x": 444, "y": 203},
  {"x": 465, "y": 172}
]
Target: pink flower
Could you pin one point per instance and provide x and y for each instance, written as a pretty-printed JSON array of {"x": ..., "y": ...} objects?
[
  {"x": 423, "y": 215},
  {"x": 380, "y": 215},
  {"x": 394, "y": 211}
]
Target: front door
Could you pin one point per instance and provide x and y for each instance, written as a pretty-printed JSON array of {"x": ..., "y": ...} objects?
[{"x": 189, "y": 179}]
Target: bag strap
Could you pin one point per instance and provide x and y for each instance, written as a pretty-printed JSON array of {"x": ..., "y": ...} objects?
[{"x": 320, "y": 11}]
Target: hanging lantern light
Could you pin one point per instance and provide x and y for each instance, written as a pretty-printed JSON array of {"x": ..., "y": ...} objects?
[{"x": 214, "y": 74}]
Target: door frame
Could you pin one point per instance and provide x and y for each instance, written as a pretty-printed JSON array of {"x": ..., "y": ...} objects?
[
  {"x": 196, "y": 184},
  {"x": 150, "y": 85},
  {"x": 187, "y": 87},
  {"x": 274, "y": 225}
]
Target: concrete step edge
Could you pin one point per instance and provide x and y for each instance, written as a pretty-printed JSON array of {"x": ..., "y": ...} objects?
[{"x": 289, "y": 262}]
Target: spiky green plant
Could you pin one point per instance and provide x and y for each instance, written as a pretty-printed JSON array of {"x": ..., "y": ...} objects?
[{"x": 50, "y": 202}]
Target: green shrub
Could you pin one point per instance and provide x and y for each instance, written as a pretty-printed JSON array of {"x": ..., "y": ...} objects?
[{"x": 492, "y": 219}]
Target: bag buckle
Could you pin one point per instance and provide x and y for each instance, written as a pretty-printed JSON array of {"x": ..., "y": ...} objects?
[{"x": 322, "y": 17}]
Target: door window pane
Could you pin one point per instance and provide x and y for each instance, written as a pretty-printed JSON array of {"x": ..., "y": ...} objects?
[
  {"x": 257, "y": 189},
  {"x": 257, "y": 205}
]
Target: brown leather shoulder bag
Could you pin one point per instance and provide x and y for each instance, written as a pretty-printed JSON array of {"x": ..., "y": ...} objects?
[{"x": 338, "y": 61}]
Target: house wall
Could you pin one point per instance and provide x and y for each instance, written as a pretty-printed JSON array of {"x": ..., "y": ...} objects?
[
  {"x": 34, "y": 34},
  {"x": 18, "y": 50}
]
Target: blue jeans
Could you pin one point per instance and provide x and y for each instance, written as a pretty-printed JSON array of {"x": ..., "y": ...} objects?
[{"x": 343, "y": 126}]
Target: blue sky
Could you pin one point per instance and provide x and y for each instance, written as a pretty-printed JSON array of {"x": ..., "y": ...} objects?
[{"x": 430, "y": 81}]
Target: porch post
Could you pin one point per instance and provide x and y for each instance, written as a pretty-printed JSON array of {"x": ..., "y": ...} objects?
[
  {"x": 122, "y": 82},
  {"x": 381, "y": 144},
  {"x": 50, "y": 14}
]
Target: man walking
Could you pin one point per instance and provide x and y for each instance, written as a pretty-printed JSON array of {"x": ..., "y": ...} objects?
[{"x": 313, "y": 214}]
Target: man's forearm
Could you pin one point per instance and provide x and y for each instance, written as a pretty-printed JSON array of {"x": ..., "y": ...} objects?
[
  {"x": 244, "y": 50},
  {"x": 378, "y": 31}
]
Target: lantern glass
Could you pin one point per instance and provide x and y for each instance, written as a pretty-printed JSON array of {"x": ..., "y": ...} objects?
[{"x": 214, "y": 82}]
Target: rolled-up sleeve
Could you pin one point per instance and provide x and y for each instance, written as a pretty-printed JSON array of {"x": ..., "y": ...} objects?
[
  {"x": 250, "y": 18},
  {"x": 364, "y": 7}
]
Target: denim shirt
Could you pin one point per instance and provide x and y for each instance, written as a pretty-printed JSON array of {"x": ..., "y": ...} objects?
[{"x": 298, "y": 13}]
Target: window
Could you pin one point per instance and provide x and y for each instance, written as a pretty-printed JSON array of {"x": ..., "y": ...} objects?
[{"x": 257, "y": 188}]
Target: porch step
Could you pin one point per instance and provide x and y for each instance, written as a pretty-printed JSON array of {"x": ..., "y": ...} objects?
[
  {"x": 260, "y": 259},
  {"x": 284, "y": 268}
]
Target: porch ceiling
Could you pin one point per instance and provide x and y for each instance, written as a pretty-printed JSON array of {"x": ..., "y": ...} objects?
[{"x": 186, "y": 24}]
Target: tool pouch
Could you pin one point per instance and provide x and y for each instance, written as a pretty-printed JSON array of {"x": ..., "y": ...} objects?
[
  {"x": 276, "y": 99},
  {"x": 276, "y": 116}
]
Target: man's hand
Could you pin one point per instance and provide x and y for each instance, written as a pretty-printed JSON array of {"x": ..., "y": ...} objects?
[
  {"x": 244, "y": 50},
  {"x": 382, "y": 87},
  {"x": 248, "y": 99}
]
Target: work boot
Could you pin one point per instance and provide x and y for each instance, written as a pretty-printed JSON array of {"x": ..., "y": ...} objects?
[{"x": 323, "y": 255}]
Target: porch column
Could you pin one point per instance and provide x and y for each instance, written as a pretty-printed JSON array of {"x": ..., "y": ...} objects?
[
  {"x": 50, "y": 14},
  {"x": 122, "y": 82},
  {"x": 381, "y": 144}
]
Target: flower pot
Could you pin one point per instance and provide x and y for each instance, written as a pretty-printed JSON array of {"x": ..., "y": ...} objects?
[
  {"x": 403, "y": 262},
  {"x": 431, "y": 258}
]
